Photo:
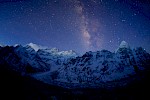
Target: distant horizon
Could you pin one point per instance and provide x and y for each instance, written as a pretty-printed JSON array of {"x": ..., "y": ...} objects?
[{"x": 80, "y": 54}]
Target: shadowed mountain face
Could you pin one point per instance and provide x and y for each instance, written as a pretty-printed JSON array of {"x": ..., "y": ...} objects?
[{"x": 41, "y": 73}]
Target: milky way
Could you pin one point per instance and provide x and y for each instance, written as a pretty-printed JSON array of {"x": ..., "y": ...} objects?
[
  {"x": 79, "y": 8},
  {"x": 92, "y": 39},
  {"x": 80, "y": 25}
]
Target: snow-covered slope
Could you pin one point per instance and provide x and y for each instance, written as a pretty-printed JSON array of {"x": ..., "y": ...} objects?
[
  {"x": 54, "y": 57},
  {"x": 1, "y": 45},
  {"x": 66, "y": 67},
  {"x": 99, "y": 67},
  {"x": 33, "y": 58}
]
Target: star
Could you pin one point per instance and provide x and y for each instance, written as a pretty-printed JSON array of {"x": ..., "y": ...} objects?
[{"x": 79, "y": 25}]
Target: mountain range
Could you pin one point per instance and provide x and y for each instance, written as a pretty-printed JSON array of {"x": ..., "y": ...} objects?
[{"x": 67, "y": 69}]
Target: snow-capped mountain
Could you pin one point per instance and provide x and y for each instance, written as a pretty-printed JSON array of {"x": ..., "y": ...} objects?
[
  {"x": 124, "y": 44},
  {"x": 33, "y": 58},
  {"x": 66, "y": 67},
  {"x": 34, "y": 46},
  {"x": 104, "y": 66}
]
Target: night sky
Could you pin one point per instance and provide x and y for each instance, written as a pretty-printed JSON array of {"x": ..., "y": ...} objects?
[{"x": 79, "y": 25}]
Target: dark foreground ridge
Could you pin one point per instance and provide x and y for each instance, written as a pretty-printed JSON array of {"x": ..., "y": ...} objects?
[{"x": 15, "y": 86}]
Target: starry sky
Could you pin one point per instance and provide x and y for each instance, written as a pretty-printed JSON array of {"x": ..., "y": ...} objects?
[{"x": 79, "y": 25}]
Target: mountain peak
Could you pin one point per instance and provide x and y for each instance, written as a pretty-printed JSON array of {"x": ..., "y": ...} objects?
[
  {"x": 68, "y": 53},
  {"x": 16, "y": 45},
  {"x": 124, "y": 44},
  {"x": 54, "y": 50},
  {"x": 35, "y": 46},
  {"x": 1, "y": 45}
]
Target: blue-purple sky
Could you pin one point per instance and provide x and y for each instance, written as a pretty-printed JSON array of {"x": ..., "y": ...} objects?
[{"x": 79, "y": 25}]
